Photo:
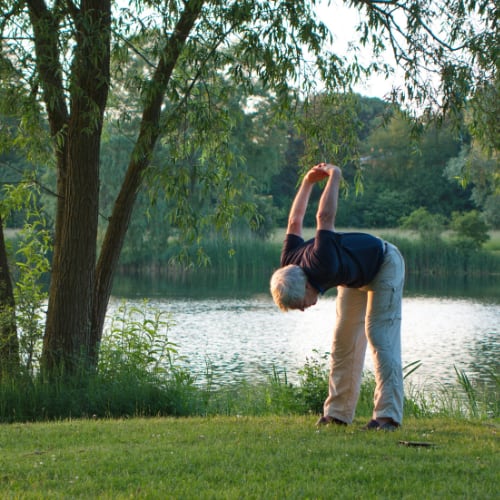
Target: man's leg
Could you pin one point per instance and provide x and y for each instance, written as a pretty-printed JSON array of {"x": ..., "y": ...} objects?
[
  {"x": 383, "y": 329},
  {"x": 348, "y": 355}
]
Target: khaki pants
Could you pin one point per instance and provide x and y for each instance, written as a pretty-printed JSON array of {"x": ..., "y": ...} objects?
[{"x": 369, "y": 314}]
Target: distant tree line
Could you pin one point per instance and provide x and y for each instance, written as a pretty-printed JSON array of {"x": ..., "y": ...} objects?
[{"x": 390, "y": 171}]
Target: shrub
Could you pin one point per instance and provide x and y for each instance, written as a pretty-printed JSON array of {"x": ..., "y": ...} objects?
[
  {"x": 427, "y": 225},
  {"x": 470, "y": 229}
]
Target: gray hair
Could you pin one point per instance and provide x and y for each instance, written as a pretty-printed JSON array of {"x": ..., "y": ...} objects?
[{"x": 288, "y": 286}]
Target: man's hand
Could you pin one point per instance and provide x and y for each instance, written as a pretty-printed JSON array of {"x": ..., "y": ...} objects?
[
  {"x": 322, "y": 171},
  {"x": 299, "y": 205},
  {"x": 327, "y": 208}
]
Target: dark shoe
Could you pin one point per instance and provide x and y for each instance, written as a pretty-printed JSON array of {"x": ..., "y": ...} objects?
[
  {"x": 373, "y": 425},
  {"x": 389, "y": 426},
  {"x": 327, "y": 420}
]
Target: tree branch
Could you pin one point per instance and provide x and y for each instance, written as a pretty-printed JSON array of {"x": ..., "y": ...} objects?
[
  {"x": 47, "y": 55},
  {"x": 33, "y": 180},
  {"x": 390, "y": 22},
  {"x": 141, "y": 155},
  {"x": 134, "y": 49}
]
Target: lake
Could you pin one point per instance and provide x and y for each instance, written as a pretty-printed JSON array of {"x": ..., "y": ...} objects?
[{"x": 231, "y": 327}]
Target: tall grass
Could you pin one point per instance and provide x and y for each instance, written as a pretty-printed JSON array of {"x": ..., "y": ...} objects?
[
  {"x": 440, "y": 257},
  {"x": 140, "y": 375},
  {"x": 246, "y": 255}
]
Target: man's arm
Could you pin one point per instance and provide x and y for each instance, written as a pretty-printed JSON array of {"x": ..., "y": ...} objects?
[
  {"x": 327, "y": 208},
  {"x": 299, "y": 205}
]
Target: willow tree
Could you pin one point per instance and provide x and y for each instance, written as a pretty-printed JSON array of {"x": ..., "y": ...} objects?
[{"x": 65, "y": 61}]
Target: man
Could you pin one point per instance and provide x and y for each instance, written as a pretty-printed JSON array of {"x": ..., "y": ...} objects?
[{"x": 369, "y": 275}]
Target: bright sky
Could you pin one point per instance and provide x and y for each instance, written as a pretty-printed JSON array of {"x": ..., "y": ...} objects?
[{"x": 342, "y": 20}]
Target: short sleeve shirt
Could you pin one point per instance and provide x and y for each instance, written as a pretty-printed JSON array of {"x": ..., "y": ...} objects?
[{"x": 331, "y": 259}]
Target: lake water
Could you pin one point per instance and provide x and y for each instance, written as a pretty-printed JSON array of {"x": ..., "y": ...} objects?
[{"x": 232, "y": 327}]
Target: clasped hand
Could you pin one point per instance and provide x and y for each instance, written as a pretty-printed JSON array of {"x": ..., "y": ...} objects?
[{"x": 322, "y": 171}]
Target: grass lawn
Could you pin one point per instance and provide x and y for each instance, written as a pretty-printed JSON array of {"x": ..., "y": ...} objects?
[{"x": 248, "y": 457}]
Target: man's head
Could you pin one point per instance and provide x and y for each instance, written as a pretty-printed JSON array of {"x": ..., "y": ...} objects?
[{"x": 291, "y": 290}]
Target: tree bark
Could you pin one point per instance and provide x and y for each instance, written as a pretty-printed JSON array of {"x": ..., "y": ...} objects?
[
  {"x": 67, "y": 340},
  {"x": 9, "y": 342}
]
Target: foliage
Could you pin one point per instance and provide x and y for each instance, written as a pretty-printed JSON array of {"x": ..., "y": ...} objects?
[
  {"x": 402, "y": 172},
  {"x": 167, "y": 71},
  {"x": 473, "y": 166},
  {"x": 484, "y": 111},
  {"x": 426, "y": 224},
  {"x": 461, "y": 50},
  {"x": 314, "y": 381},
  {"x": 136, "y": 343},
  {"x": 330, "y": 126},
  {"x": 136, "y": 350},
  {"x": 142, "y": 374},
  {"x": 9, "y": 343},
  {"x": 158, "y": 222},
  {"x": 33, "y": 246},
  {"x": 470, "y": 229},
  {"x": 139, "y": 373}
]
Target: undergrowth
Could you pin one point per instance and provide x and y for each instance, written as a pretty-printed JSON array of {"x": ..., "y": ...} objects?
[{"x": 141, "y": 374}]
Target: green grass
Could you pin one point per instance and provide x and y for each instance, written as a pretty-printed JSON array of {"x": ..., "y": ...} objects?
[{"x": 247, "y": 457}]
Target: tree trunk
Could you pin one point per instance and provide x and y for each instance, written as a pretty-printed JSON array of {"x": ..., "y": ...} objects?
[
  {"x": 67, "y": 339},
  {"x": 67, "y": 335},
  {"x": 9, "y": 343}
]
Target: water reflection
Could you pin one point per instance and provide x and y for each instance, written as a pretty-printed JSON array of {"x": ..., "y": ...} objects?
[
  {"x": 209, "y": 284},
  {"x": 477, "y": 287},
  {"x": 232, "y": 329}
]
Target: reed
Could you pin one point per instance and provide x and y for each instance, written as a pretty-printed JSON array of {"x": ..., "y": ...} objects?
[
  {"x": 434, "y": 257},
  {"x": 242, "y": 254},
  {"x": 440, "y": 258}
]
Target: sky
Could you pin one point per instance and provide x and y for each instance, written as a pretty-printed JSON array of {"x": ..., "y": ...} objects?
[{"x": 342, "y": 20}]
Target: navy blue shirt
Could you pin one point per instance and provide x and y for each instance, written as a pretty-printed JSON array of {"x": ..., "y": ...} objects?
[{"x": 331, "y": 259}]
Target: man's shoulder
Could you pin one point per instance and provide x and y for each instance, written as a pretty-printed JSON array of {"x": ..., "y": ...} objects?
[{"x": 292, "y": 239}]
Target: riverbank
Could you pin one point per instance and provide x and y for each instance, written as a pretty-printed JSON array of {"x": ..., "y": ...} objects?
[{"x": 248, "y": 457}]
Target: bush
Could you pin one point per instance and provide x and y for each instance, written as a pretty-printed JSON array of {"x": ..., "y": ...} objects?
[
  {"x": 470, "y": 229},
  {"x": 314, "y": 383},
  {"x": 427, "y": 225}
]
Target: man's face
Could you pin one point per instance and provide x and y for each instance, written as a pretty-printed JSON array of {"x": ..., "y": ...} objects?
[{"x": 310, "y": 298}]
